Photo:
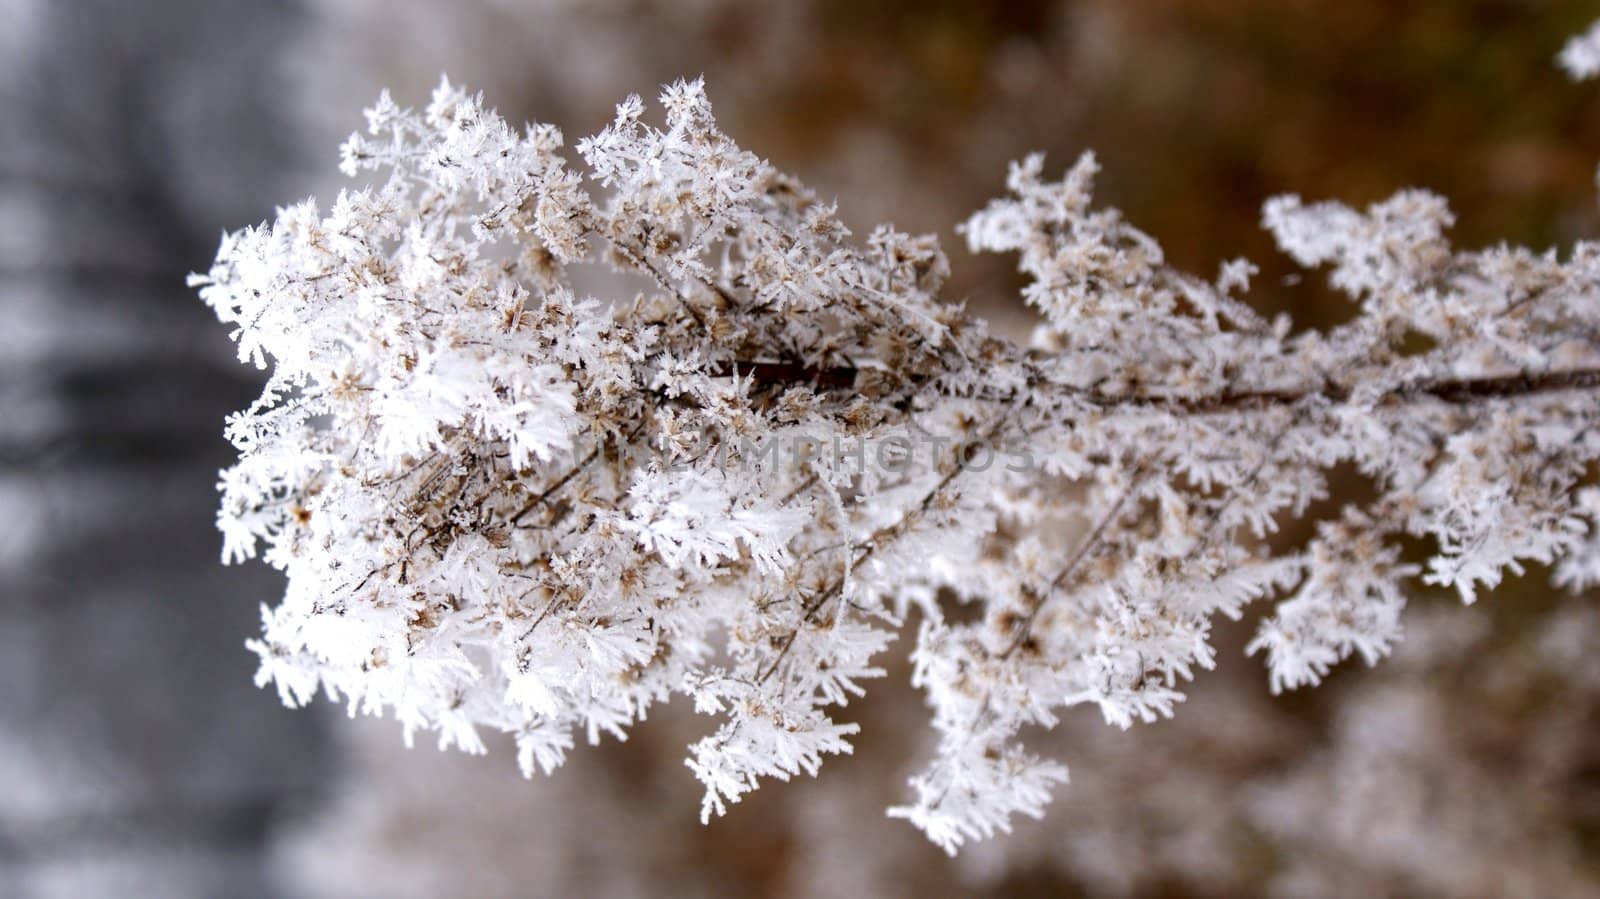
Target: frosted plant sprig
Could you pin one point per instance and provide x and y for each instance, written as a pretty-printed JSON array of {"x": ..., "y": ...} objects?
[{"x": 734, "y": 473}]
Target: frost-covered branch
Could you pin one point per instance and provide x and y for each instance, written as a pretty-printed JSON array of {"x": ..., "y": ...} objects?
[{"x": 734, "y": 471}]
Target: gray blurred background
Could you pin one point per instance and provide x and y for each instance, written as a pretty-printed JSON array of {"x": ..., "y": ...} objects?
[{"x": 136, "y": 759}]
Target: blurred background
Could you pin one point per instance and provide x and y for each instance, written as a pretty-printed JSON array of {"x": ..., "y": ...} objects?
[{"x": 136, "y": 759}]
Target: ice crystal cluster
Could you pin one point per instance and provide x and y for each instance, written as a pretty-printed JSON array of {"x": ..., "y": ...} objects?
[
  {"x": 544, "y": 444},
  {"x": 1581, "y": 56}
]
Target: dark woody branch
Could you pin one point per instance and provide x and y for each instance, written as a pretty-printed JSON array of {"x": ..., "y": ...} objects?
[{"x": 1449, "y": 390}]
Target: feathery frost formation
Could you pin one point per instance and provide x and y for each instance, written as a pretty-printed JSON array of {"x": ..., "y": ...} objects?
[{"x": 503, "y": 504}]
